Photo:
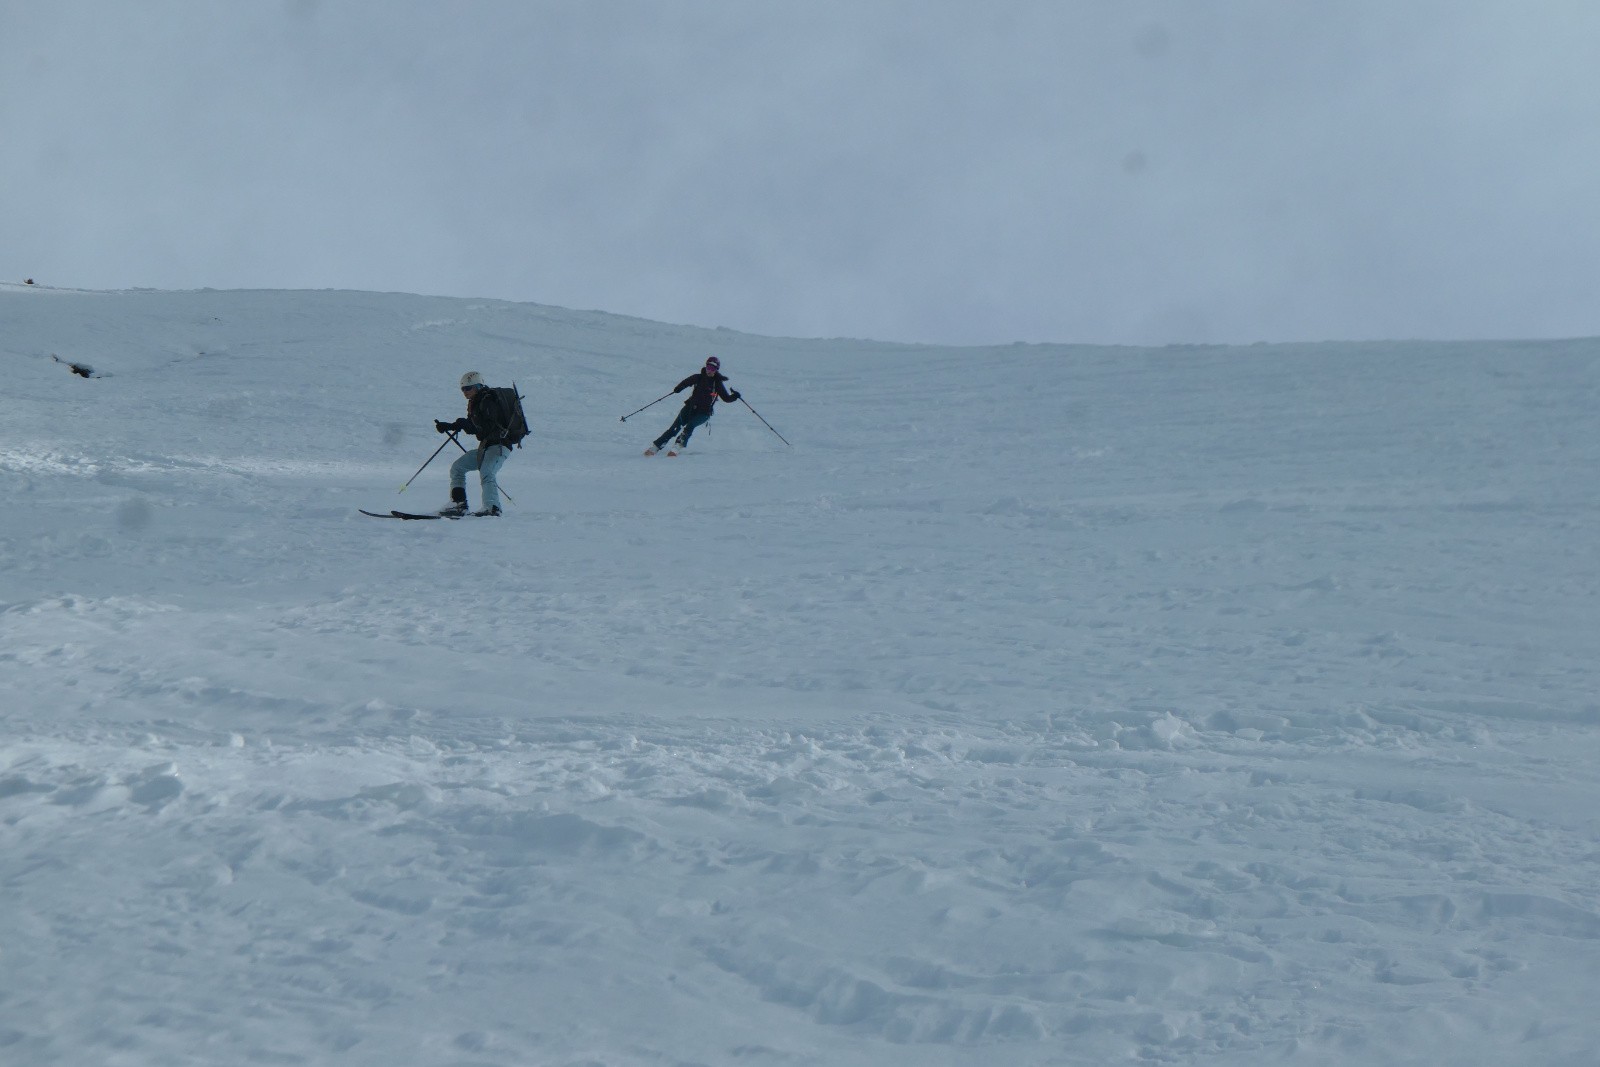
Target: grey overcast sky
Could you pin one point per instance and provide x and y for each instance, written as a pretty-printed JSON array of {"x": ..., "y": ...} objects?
[{"x": 953, "y": 171}]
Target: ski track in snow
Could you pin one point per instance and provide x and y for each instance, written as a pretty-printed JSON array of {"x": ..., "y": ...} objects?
[{"x": 1042, "y": 706}]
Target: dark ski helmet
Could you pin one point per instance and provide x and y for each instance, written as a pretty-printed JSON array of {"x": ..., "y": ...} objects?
[{"x": 713, "y": 364}]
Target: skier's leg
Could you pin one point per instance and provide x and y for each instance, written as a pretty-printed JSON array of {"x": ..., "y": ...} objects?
[
  {"x": 690, "y": 424},
  {"x": 661, "y": 438},
  {"x": 467, "y": 461},
  {"x": 676, "y": 423},
  {"x": 494, "y": 457}
]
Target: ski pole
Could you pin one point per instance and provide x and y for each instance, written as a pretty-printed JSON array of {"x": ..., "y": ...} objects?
[
  {"x": 652, "y": 404},
  {"x": 430, "y": 459},
  {"x": 764, "y": 422},
  {"x": 465, "y": 451}
]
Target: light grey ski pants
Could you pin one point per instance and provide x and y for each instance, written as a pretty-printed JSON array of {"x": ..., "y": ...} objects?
[{"x": 493, "y": 458}]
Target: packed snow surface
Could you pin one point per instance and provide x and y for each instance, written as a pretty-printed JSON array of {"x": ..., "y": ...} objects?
[{"x": 1037, "y": 705}]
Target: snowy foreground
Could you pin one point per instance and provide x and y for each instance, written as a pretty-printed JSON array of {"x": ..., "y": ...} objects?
[{"x": 1040, "y": 705}]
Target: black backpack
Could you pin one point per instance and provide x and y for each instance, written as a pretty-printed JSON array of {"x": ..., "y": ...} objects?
[{"x": 504, "y": 406}]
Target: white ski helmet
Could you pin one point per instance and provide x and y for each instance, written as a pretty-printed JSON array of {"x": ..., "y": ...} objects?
[{"x": 471, "y": 380}]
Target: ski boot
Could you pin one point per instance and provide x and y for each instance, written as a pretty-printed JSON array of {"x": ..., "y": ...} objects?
[{"x": 458, "y": 504}]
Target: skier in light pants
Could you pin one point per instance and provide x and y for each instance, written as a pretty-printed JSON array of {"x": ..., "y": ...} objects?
[{"x": 486, "y": 459}]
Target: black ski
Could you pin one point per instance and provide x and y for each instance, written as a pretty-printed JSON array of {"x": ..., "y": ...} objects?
[{"x": 402, "y": 515}]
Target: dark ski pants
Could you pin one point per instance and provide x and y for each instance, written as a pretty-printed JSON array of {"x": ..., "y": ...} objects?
[{"x": 684, "y": 426}]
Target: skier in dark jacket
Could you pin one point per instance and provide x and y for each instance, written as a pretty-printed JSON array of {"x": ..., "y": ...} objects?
[
  {"x": 489, "y": 427},
  {"x": 708, "y": 384}
]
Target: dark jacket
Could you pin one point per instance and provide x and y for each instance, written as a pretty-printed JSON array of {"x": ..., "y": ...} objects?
[
  {"x": 484, "y": 419},
  {"x": 707, "y": 387}
]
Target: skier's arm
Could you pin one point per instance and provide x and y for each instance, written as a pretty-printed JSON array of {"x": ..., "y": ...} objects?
[
  {"x": 473, "y": 421},
  {"x": 726, "y": 394},
  {"x": 681, "y": 386}
]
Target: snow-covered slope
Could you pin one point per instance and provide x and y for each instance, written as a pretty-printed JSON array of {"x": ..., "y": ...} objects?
[{"x": 1039, "y": 705}]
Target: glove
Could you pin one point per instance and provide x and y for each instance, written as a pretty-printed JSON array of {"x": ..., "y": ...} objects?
[
  {"x": 443, "y": 427},
  {"x": 733, "y": 395}
]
